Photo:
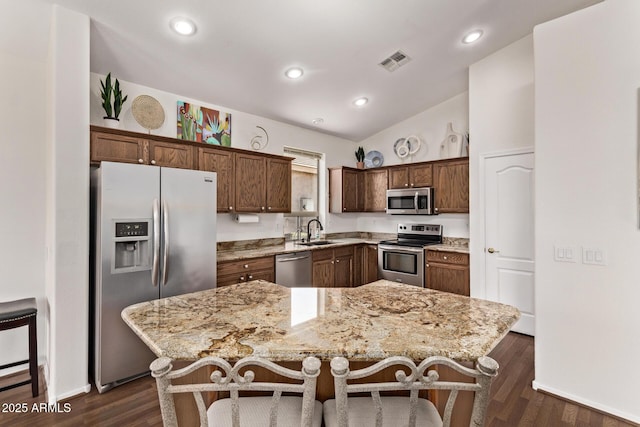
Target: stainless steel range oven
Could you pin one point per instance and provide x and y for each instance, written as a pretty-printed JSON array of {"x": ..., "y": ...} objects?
[{"x": 402, "y": 260}]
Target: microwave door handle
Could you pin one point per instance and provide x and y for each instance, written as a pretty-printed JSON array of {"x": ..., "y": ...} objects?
[{"x": 415, "y": 201}]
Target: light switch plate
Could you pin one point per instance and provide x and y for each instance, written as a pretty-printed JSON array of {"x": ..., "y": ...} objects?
[
  {"x": 565, "y": 253},
  {"x": 593, "y": 256}
]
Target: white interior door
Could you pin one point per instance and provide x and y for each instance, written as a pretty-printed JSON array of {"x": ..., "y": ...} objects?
[{"x": 509, "y": 244}]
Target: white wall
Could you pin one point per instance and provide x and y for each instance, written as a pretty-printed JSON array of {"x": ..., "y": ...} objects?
[
  {"x": 67, "y": 267},
  {"x": 501, "y": 105},
  {"x": 587, "y": 73},
  {"x": 22, "y": 176},
  {"x": 431, "y": 127},
  {"x": 337, "y": 151}
]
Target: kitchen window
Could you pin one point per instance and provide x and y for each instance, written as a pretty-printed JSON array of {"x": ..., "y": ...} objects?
[{"x": 304, "y": 191}]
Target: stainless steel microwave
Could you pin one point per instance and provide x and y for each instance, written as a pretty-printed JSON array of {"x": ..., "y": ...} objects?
[{"x": 414, "y": 201}]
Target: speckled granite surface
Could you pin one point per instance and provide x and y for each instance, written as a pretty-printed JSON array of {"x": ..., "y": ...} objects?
[
  {"x": 368, "y": 323},
  {"x": 247, "y": 249},
  {"x": 452, "y": 244}
]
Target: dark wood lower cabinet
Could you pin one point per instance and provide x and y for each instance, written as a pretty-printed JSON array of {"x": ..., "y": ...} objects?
[
  {"x": 232, "y": 272},
  {"x": 447, "y": 271},
  {"x": 323, "y": 272},
  {"x": 333, "y": 268},
  {"x": 370, "y": 266},
  {"x": 343, "y": 269}
]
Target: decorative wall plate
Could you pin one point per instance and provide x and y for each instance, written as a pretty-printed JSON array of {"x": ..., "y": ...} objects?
[
  {"x": 408, "y": 146},
  {"x": 148, "y": 112},
  {"x": 373, "y": 159}
]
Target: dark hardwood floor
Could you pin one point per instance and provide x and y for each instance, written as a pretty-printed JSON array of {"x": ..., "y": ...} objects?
[{"x": 514, "y": 402}]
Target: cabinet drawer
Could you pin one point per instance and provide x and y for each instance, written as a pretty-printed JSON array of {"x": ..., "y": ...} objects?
[
  {"x": 248, "y": 265},
  {"x": 322, "y": 254},
  {"x": 448, "y": 257},
  {"x": 232, "y": 279},
  {"x": 343, "y": 251}
]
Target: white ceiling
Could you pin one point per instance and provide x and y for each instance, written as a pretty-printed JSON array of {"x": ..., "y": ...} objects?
[{"x": 239, "y": 54}]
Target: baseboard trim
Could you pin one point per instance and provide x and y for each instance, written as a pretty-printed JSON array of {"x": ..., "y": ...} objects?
[
  {"x": 80, "y": 390},
  {"x": 585, "y": 402}
]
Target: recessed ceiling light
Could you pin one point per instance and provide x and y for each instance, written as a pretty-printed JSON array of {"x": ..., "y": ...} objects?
[
  {"x": 294, "y": 73},
  {"x": 360, "y": 102},
  {"x": 317, "y": 121},
  {"x": 183, "y": 26},
  {"x": 472, "y": 36}
]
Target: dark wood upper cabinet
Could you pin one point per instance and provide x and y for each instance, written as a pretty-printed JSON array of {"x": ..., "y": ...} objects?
[
  {"x": 247, "y": 181},
  {"x": 451, "y": 183},
  {"x": 173, "y": 155},
  {"x": 250, "y": 183},
  {"x": 278, "y": 190},
  {"x": 118, "y": 148},
  {"x": 262, "y": 184},
  {"x": 418, "y": 175},
  {"x": 220, "y": 162},
  {"x": 375, "y": 190},
  {"x": 421, "y": 175},
  {"x": 346, "y": 190}
]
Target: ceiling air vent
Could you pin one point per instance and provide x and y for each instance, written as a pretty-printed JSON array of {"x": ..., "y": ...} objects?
[{"x": 395, "y": 61}]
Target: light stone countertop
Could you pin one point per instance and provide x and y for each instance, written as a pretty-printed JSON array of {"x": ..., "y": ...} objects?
[
  {"x": 288, "y": 247},
  {"x": 366, "y": 323}
]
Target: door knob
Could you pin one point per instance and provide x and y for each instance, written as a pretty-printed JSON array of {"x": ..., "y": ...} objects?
[{"x": 491, "y": 250}]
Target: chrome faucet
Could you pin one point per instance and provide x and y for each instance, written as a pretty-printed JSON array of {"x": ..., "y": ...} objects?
[{"x": 309, "y": 227}]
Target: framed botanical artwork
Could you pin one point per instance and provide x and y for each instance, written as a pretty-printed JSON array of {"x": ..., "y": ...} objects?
[{"x": 201, "y": 124}]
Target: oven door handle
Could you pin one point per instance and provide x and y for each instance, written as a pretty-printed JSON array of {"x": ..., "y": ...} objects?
[{"x": 401, "y": 249}]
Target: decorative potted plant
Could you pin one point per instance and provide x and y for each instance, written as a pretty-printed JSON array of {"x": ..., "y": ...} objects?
[
  {"x": 111, "y": 109},
  {"x": 360, "y": 158}
]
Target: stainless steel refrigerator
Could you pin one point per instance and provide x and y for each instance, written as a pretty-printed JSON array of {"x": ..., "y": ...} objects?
[{"x": 153, "y": 236}]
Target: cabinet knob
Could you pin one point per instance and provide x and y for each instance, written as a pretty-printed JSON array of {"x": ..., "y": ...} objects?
[
  {"x": 262, "y": 208},
  {"x": 331, "y": 262},
  {"x": 245, "y": 266},
  {"x": 406, "y": 185},
  {"x": 337, "y": 260},
  {"x": 412, "y": 184},
  {"x": 436, "y": 209},
  {"x": 444, "y": 257},
  {"x": 427, "y": 265},
  {"x": 242, "y": 278},
  {"x": 250, "y": 277},
  {"x": 269, "y": 208},
  {"x": 140, "y": 161},
  {"x": 344, "y": 209},
  {"x": 230, "y": 208},
  {"x": 153, "y": 162}
]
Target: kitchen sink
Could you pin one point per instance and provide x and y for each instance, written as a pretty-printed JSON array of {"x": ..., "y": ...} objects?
[{"x": 316, "y": 243}]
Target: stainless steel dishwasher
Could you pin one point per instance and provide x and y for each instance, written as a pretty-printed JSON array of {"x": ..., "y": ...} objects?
[{"x": 294, "y": 269}]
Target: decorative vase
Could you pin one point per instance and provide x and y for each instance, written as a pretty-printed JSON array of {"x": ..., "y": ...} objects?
[
  {"x": 360, "y": 165},
  {"x": 111, "y": 122}
]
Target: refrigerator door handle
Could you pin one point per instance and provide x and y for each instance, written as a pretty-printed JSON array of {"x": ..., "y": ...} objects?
[
  {"x": 156, "y": 241},
  {"x": 165, "y": 221}
]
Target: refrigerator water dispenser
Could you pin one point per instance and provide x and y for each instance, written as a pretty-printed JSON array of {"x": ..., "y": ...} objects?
[{"x": 132, "y": 246}]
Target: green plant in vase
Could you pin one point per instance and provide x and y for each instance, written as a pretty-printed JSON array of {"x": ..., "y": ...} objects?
[
  {"x": 111, "y": 108},
  {"x": 360, "y": 158}
]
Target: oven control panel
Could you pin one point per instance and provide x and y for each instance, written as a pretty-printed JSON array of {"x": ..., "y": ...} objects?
[{"x": 427, "y": 229}]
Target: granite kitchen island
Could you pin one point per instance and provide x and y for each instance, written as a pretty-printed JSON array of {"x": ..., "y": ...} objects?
[{"x": 364, "y": 324}]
